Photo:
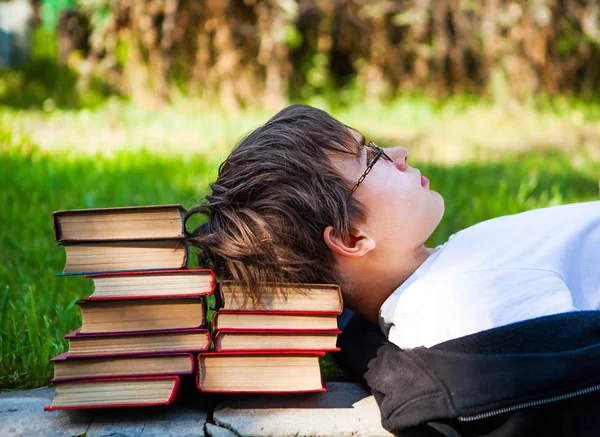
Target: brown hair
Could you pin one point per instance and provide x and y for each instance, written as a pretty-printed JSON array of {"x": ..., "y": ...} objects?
[{"x": 273, "y": 198}]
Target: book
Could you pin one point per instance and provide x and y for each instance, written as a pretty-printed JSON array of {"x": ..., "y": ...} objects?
[
  {"x": 283, "y": 297},
  {"x": 227, "y": 319},
  {"x": 288, "y": 371},
  {"x": 150, "y": 342},
  {"x": 130, "y": 315},
  {"x": 152, "y": 283},
  {"x": 115, "y": 392},
  {"x": 230, "y": 339},
  {"x": 124, "y": 256},
  {"x": 67, "y": 368},
  {"x": 125, "y": 223}
]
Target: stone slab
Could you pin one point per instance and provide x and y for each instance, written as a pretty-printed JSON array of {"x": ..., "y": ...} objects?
[
  {"x": 22, "y": 414},
  {"x": 217, "y": 431},
  {"x": 345, "y": 409}
]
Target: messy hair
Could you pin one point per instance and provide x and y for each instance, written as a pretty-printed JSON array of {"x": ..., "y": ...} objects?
[{"x": 274, "y": 196}]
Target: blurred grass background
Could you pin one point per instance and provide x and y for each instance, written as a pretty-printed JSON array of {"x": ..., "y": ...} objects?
[{"x": 75, "y": 133}]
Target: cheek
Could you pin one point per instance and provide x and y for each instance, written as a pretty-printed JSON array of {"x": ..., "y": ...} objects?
[
  {"x": 400, "y": 194},
  {"x": 395, "y": 205}
]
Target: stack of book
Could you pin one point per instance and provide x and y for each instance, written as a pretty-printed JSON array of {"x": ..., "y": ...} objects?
[
  {"x": 146, "y": 318},
  {"x": 273, "y": 348}
]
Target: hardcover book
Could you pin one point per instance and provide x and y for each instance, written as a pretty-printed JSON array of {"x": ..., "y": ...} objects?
[
  {"x": 288, "y": 371},
  {"x": 115, "y": 392},
  {"x": 150, "y": 342},
  {"x": 124, "y": 256},
  {"x": 283, "y": 297},
  {"x": 67, "y": 368},
  {"x": 152, "y": 283},
  {"x": 131, "y": 315},
  {"x": 231, "y": 339},
  {"x": 228, "y": 319},
  {"x": 125, "y": 223}
]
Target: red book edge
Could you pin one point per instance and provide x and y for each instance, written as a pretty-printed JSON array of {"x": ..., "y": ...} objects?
[
  {"x": 65, "y": 356},
  {"x": 318, "y": 352},
  {"x": 261, "y": 352},
  {"x": 279, "y": 331},
  {"x": 57, "y": 231},
  {"x": 275, "y": 332},
  {"x": 203, "y": 324},
  {"x": 171, "y": 398},
  {"x": 88, "y": 300},
  {"x": 78, "y": 334}
]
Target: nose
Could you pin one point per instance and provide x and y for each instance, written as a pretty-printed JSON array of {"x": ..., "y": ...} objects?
[{"x": 400, "y": 155}]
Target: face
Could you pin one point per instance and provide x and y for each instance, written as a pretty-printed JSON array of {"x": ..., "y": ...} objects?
[{"x": 402, "y": 209}]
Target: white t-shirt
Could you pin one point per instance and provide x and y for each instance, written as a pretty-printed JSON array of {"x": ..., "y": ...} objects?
[{"x": 501, "y": 271}]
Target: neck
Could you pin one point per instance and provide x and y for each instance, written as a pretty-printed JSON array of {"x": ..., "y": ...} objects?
[{"x": 371, "y": 286}]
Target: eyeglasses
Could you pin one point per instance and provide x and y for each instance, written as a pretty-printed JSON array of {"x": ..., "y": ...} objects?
[{"x": 374, "y": 152}]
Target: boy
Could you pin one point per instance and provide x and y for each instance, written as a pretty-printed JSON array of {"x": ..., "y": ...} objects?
[{"x": 305, "y": 198}]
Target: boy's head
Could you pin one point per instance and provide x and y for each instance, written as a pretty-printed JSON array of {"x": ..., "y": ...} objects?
[{"x": 283, "y": 207}]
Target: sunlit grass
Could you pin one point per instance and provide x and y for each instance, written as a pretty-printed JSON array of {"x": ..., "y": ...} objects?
[
  {"x": 458, "y": 130},
  {"x": 45, "y": 167}
]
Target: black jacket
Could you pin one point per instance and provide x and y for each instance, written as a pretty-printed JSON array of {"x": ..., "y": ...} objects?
[{"x": 540, "y": 378}]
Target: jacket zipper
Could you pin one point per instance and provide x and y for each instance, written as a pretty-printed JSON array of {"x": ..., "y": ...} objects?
[{"x": 529, "y": 404}]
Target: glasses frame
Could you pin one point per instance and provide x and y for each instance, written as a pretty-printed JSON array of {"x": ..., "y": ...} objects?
[{"x": 379, "y": 152}]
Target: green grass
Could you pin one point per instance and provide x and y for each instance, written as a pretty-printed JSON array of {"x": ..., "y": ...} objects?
[{"x": 37, "y": 308}]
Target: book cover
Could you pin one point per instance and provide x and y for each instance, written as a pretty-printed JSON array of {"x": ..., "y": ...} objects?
[
  {"x": 281, "y": 339},
  {"x": 291, "y": 315},
  {"x": 96, "y": 257},
  {"x": 201, "y": 370},
  {"x": 95, "y": 361},
  {"x": 119, "y": 223},
  {"x": 139, "y": 289},
  {"x": 138, "y": 343},
  {"x": 91, "y": 387},
  {"x": 154, "y": 314},
  {"x": 326, "y": 298}
]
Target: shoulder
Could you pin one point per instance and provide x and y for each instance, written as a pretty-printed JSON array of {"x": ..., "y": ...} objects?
[{"x": 441, "y": 307}]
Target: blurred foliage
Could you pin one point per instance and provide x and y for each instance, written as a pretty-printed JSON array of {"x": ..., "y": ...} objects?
[
  {"x": 250, "y": 53},
  {"x": 52, "y": 10},
  {"x": 43, "y": 82}
]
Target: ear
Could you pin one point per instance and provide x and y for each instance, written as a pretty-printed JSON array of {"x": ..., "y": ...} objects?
[{"x": 354, "y": 246}]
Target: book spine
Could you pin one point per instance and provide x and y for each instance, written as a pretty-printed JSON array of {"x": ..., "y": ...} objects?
[
  {"x": 182, "y": 213},
  {"x": 219, "y": 298},
  {"x": 56, "y": 227},
  {"x": 215, "y": 321}
]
